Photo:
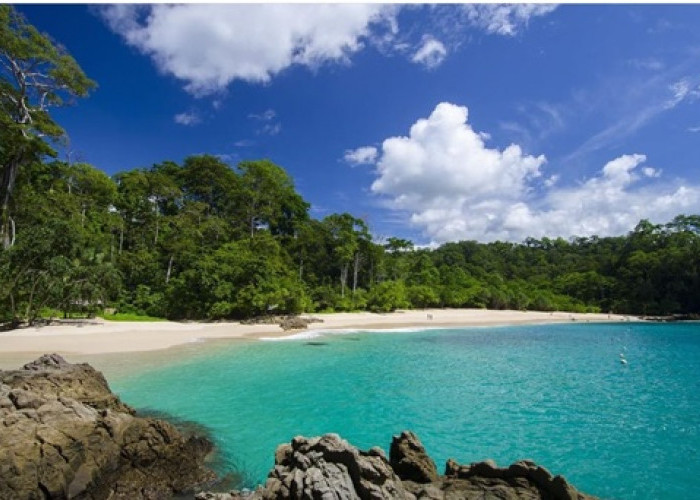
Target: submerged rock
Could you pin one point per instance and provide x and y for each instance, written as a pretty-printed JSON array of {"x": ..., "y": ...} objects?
[
  {"x": 329, "y": 468},
  {"x": 64, "y": 434}
]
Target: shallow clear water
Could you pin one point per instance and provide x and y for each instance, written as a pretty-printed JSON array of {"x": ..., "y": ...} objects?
[{"x": 557, "y": 394}]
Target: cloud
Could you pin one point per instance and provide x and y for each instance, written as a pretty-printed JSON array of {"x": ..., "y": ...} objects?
[
  {"x": 187, "y": 118},
  {"x": 538, "y": 121},
  {"x": 504, "y": 19},
  {"x": 444, "y": 166},
  {"x": 268, "y": 123},
  {"x": 681, "y": 90},
  {"x": 649, "y": 64},
  {"x": 265, "y": 116},
  {"x": 693, "y": 129},
  {"x": 457, "y": 188},
  {"x": 551, "y": 180},
  {"x": 638, "y": 107},
  {"x": 270, "y": 129},
  {"x": 365, "y": 155},
  {"x": 651, "y": 172},
  {"x": 210, "y": 46},
  {"x": 431, "y": 53}
]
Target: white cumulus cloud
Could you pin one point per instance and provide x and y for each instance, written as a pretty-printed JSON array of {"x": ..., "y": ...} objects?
[
  {"x": 505, "y": 19},
  {"x": 187, "y": 118},
  {"x": 457, "y": 188},
  {"x": 209, "y": 46},
  {"x": 431, "y": 52},
  {"x": 365, "y": 155}
]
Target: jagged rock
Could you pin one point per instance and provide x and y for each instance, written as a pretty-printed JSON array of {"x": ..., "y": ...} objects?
[
  {"x": 65, "y": 435},
  {"x": 409, "y": 459},
  {"x": 328, "y": 468}
]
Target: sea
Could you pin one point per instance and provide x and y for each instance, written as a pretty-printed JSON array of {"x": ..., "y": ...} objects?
[{"x": 614, "y": 407}]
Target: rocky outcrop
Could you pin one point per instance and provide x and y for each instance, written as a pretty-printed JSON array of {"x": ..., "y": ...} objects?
[
  {"x": 297, "y": 322},
  {"x": 522, "y": 478},
  {"x": 325, "y": 467},
  {"x": 286, "y": 322},
  {"x": 329, "y": 468},
  {"x": 63, "y": 434},
  {"x": 409, "y": 459}
]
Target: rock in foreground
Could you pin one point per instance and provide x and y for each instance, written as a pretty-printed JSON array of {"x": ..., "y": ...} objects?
[
  {"x": 329, "y": 468},
  {"x": 63, "y": 434}
]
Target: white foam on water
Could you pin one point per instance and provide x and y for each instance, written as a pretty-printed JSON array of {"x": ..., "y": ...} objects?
[
  {"x": 312, "y": 334},
  {"x": 305, "y": 335}
]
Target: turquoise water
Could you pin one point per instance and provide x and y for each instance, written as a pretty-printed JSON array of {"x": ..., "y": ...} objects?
[{"x": 555, "y": 393}]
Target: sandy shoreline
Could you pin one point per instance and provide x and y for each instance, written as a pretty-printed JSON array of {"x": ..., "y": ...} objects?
[{"x": 104, "y": 337}]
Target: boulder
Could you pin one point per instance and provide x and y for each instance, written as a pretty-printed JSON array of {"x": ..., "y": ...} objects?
[{"x": 66, "y": 435}]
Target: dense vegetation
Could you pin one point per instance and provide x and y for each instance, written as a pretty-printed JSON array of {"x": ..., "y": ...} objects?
[{"x": 204, "y": 240}]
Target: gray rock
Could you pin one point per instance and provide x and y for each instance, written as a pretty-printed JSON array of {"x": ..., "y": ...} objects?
[{"x": 328, "y": 467}]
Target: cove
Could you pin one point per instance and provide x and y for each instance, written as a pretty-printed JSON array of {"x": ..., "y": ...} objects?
[{"x": 557, "y": 394}]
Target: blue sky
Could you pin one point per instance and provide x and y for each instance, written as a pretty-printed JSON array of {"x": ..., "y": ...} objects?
[{"x": 434, "y": 123}]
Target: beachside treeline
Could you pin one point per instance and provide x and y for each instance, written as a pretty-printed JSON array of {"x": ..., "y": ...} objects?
[{"x": 204, "y": 240}]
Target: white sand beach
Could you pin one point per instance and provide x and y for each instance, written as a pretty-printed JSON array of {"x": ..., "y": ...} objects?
[{"x": 105, "y": 337}]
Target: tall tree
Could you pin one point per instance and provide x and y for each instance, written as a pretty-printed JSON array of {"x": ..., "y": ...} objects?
[
  {"x": 35, "y": 74},
  {"x": 346, "y": 232},
  {"x": 267, "y": 198}
]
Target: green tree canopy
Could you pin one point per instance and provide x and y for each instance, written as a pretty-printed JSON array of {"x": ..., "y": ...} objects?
[{"x": 35, "y": 74}]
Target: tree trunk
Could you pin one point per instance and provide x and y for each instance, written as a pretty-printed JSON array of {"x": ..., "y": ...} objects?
[
  {"x": 301, "y": 266},
  {"x": 121, "y": 238},
  {"x": 343, "y": 278},
  {"x": 355, "y": 270},
  {"x": 155, "y": 239},
  {"x": 12, "y": 231},
  {"x": 13, "y": 307},
  {"x": 170, "y": 268},
  {"x": 7, "y": 184},
  {"x": 28, "y": 314}
]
